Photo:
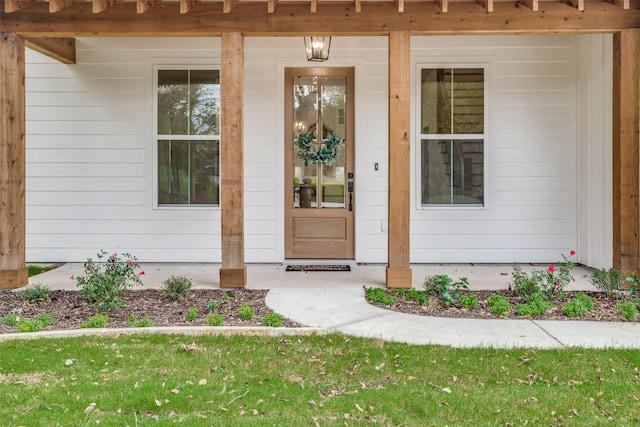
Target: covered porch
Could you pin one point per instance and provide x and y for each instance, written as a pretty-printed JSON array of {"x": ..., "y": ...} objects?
[{"x": 51, "y": 27}]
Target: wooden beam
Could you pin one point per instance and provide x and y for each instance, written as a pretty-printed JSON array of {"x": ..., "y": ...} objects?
[
  {"x": 15, "y": 5},
  {"x": 101, "y": 5},
  {"x": 487, "y": 5},
  {"x": 314, "y": 6},
  {"x": 398, "y": 268},
  {"x": 60, "y": 49},
  {"x": 271, "y": 6},
  {"x": 400, "y": 5},
  {"x": 143, "y": 5},
  {"x": 358, "y": 5},
  {"x": 58, "y": 5},
  {"x": 443, "y": 5},
  {"x": 531, "y": 4},
  {"x": 578, "y": 4},
  {"x": 624, "y": 4},
  {"x": 228, "y": 5},
  {"x": 13, "y": 269},
  {"x": 377, "y": 18},
  {"x": 186, "y": 5},
  {"x": 626, "y": 154},
  {"x": 233, "y": 272}
]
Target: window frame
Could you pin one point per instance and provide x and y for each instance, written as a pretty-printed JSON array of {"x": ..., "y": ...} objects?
[
  {"x": 479, "y": 137},
  {"x": 156, "y": 137}
]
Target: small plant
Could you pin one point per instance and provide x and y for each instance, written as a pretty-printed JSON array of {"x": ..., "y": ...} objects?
[
  {"x": 400, "y": 292},
  {"x": 11, "y": 320},
  {"x": 212, "y": 306},
  {"x": 272, "y": 319},
  {"x": 549, "y": 283},
  {"x": 215, "y": 320},
  {"x": 608, "y": 280},
  {"x": 246, "y": 312},
  {"x": 580, "y": 304},
  {"x": 44, "y": 319},
  {"x": 628, "y": 310},
  {"x": 34, "y": 294},
  {"x": 29, "y": 325},
  {"x": 469, "y": 301},
  {"x": 176, "y": 287},
  {"x": 634, "y": 281},
  {"x": 533, "y": 308},
  {"x": 418, "y": 296},
  {"x": 499, "y": 305},
  {"x": 143, "y": 322},
  {"x": 379, "y": 296},
  {"x": 192, "y": 314},
  {"x": 96, "y": 321},
  {"x": 105, "y": 282},
  {"x": 445, "y": 288}
]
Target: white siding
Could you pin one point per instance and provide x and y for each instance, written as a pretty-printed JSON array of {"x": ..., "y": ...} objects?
[{"x": 90, "y": 151}]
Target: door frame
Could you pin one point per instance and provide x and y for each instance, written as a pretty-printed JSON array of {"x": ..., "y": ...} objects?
[{"x": 349, "y": 73}]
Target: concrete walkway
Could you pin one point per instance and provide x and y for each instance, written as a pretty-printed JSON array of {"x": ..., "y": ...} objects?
[{"x": 334, "y": 301}]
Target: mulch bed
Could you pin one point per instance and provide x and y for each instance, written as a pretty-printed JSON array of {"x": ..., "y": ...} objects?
[
  {"x": 605, "y": 309},
  {"x": 69, "y": 309}
]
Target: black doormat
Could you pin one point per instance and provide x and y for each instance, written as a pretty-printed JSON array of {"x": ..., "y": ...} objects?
[{"x": 318, "y": 268}]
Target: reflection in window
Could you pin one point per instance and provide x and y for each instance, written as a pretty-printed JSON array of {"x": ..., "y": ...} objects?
[
  {"x": 452, "y": 136},
  {"x": 188, "y": 137}
]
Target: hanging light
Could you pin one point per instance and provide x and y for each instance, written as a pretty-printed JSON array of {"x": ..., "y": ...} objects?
[{"x": 317, "y": 48}]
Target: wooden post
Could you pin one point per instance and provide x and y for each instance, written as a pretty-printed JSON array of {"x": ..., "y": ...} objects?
[
  {"x": 398, "y": 268},
  {"x": 233, "y": 273},
  {"x": 13, "y": 270},
  {"x": 626, "y": 160}
]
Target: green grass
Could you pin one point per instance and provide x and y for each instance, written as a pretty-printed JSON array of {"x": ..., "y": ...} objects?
[
  {"x": 329, "y": 380},
  {"x": 34, "y": 270}
]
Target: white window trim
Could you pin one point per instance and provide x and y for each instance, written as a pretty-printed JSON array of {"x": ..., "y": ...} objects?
[
  {"x": 419, "y": 136},
  {"x": 155, "y": 136}
]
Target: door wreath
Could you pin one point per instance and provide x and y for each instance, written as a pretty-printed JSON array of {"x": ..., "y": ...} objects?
[{"x": 324, "y": 153}]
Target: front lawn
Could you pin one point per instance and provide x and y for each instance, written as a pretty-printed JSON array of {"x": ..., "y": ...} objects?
[{"x": 331, "y": 380}]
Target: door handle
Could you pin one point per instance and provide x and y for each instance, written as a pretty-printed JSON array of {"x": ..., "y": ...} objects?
[{"x": 350, "y": 188}]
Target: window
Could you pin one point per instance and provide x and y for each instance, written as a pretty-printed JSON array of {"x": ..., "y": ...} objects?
[
  {"x": 188, "y": 136},
  {"x": 452, "y": 136}
]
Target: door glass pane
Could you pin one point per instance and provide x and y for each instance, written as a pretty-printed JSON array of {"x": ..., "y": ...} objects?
[{"x": 305, "y": 104}]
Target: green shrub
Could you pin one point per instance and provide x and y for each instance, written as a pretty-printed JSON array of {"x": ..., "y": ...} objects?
[
  {"x": 533, "y": 308},
  {"x": 176, "y": 287},
  {"x": 34, "y": 294},
  {"x": 418, "y": 296},
  {"x": 499, "y": 305},
  {"x": 379, "y": 296},
  {"x": 212, "y": 306},
  {"x": 548, "y": 283},
  {"x": 29, "y": 325},
  {"x": 628, "y": 310},
  {"x": 105, "y": 282},
  {"x": 96, "y": 321},
  {"x": 608, "y": 280},
  {"x": 273, "y": 319},
  {"x": 143, "y": 322},
  {"x": 11, "y": 320},
  {"x": 215, "y": 320},
  {"x": 192, "y": 314},
  {"x": 44, "y": 319},
  {"x": 469, "y": 301},
  {"x": 579, "y": 304},
  {"x": 399, "y": 292},
  {"x": 246, "y": 312},
  {"x": 445, "y": 288}
]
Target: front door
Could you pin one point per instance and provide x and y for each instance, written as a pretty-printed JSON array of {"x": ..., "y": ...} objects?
[{"x": 319, "y": 148}]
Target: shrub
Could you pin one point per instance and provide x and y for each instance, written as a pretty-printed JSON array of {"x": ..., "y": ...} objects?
[
  {"x": 272, "y": 319},
  {"x": 192, "y": 314},
  {"x": 499, "y": 305},
  {"x": 445, "y": 288},
  {"x": 549, "y": 283},
  {"x": 143, "y": 322},
  {"x": 44, "y": 319},
  {"x": 212, "y": 306},
  {"x": 608, "y": 280},
  {"x": 245, "y": 312},
  {"x": 418, "y": 296},
  {"x": 34, "y": 294},
  {"x": 96, "y": 321},
  {"x": 628, "y": 310},
  {"x": 29, "y": 325},
  {"x": 215, "y": 320},
  {"x": 176, "y": 287},
  {"x": 469, "y": 301},
  {"x": 11, "y": 320},
  {"x": 105, "y": 282},
  {"x": 533, "y": 308},
  {"x": 379, "y": 296},
  {"x": 580, "y": 304}
]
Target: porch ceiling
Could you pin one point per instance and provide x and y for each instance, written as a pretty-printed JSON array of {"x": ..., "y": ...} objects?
[{"x": 69, "y": 18}]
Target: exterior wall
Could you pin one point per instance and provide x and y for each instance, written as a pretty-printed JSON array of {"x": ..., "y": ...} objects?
[{"x": 90, "y": 152}]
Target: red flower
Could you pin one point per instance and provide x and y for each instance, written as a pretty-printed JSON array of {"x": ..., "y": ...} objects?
[
  {"x": 552, "y": 268},
  {"x": 558, "y": 284},
  {"x": 130, "y": 263},
  {"x": 572, "y": 252},
  {"x": 114, "y": 256},
  {"x": 142, "y": 273}
]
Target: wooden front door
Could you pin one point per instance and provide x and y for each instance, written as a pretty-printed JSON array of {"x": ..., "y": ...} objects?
[{"x": 319, "y": 201}]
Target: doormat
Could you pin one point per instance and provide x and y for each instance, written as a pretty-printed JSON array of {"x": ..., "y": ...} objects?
[{"x": 318, "y": 268}]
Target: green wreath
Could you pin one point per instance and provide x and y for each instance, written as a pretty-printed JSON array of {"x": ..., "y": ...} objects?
[{"x": 325, "y": 153}]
